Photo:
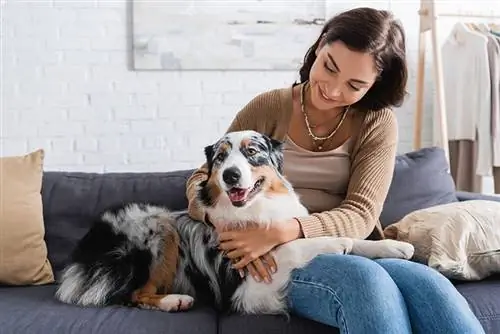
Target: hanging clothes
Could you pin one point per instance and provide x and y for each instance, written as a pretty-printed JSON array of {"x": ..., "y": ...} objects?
[
  {"x": 494, "y": 58},
  {"x": 467, "y": 91},
  {"x": 494, "y": 67},
  {"x": 463, "y": 160},
  {"x": 493, "y": 47}
]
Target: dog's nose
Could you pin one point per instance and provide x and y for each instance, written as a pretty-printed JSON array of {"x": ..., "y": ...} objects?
[{"x": 231, "y": 176}]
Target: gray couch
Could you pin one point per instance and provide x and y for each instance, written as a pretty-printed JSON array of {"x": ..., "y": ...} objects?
[{"x": 71, "y": 199}]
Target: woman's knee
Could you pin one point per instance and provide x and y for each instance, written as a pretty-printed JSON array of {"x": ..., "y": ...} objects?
[
  {"x": 344, "y": 270},
  {"x": 421, "y": 284},
  {"x": 358, "y": 286},
  {"x": 431, "y": 297},
  {"x": 414, "y": 275}
]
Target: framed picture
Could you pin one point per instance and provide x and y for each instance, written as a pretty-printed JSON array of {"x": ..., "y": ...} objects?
[{"x": 175, "y": 35}]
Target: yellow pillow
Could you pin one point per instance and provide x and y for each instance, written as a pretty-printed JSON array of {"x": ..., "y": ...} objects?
[{"x": 23, "y": 252}]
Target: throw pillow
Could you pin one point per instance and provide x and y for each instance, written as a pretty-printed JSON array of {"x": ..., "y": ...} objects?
[
  {"x": 23, "y": 252},
  {"x": 421, "y": 179},
  {"x": 461, "y": 240}
]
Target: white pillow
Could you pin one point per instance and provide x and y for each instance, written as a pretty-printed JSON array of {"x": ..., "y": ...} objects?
[{"x": 461, "y": 239}]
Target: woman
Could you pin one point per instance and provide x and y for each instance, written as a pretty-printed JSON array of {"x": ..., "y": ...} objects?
[{"x": 340, "y": 139}]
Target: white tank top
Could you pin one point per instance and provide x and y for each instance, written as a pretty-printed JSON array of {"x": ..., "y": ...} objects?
[{"x": 320, "y": 178}]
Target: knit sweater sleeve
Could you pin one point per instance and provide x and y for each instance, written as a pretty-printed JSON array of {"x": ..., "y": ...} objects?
[
  {"x": 253, "y": 116},
  {"x": 371, "y": 174}
]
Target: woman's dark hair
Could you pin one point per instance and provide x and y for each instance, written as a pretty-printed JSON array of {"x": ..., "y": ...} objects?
[{"x": 376, "y": 32}]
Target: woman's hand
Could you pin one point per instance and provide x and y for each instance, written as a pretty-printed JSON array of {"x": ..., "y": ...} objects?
[
  {"x": 247, "y": 245},
  {"x": 261, "y": 269},
  {"x": 250, "y": 248}
]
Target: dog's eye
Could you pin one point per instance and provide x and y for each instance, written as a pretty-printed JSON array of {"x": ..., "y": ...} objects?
[{"x": 251, "y": 151}]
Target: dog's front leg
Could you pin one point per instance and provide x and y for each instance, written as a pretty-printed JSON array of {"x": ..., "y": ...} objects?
[
  {"x": 148, "y": 298},
  {"x": 298, "y": 253},
  {"x": 387, "y": 248},
  {"x": 163, "y": 277}
]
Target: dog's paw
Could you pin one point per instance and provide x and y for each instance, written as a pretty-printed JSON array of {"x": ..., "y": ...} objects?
[
  {"x": 175, "y": 303},
  {"x": 395, "y": 249},
  {"x": 147, "y": 307}
]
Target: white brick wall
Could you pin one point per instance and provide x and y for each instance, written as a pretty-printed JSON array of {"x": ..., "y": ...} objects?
[{"x": 67, "y": 87}]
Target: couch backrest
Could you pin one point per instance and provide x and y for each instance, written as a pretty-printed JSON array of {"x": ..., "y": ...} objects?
[
  {"x": 421, "y": 179},
  {"x": 72, "y": 199}
]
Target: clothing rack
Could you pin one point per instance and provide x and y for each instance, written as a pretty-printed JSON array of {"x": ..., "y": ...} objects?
[{"x": 428, "y": 23}]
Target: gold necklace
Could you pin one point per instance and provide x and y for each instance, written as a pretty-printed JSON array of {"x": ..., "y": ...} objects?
[
  {"x": 313, "y": 126},
  {"x": 309, "y": 129}
]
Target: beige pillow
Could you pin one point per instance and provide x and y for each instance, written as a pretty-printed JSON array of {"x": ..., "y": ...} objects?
[
  {"x": 461, "y": 240},
  {"x": 23, "y": 252}
]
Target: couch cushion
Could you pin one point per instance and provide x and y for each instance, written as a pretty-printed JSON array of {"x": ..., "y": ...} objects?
[
  {"x": 421, "y": 179},
  {"x": 34, "y": 310},
  {"x": 252, "y": 324},
  {"x": 71, "y": 200},
  {"x": 460, "y": 240},
  {"x": 484, "y": 302},
  {"x": 23, "y": 252}
]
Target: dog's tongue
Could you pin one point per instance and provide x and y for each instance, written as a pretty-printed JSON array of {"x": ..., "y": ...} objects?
[{"x": 237, "y": 195}]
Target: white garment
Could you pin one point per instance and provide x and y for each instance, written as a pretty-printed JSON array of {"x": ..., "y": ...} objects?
[
  {"x": 467, "y": 92},
  {"x": 494, "y": 58}
]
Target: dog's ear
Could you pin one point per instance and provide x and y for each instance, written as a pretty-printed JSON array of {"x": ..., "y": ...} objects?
[
  {"x": 276, "y": 144},
  {"x": 276, "y": 153},
  {"x": 209, "y": 156},
  {"x": 209, "y": 153}
]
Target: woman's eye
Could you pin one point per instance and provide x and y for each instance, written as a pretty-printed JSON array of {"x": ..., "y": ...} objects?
[
  {"x": 328, "y": 68},
  {"x": 353, "y": 87}
]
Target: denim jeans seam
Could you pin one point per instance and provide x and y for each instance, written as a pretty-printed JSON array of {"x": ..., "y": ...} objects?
[{"x": 335, "y": 297}]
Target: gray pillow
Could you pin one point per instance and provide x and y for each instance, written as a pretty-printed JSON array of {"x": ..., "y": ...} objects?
[{"x": 421, "y": 180}]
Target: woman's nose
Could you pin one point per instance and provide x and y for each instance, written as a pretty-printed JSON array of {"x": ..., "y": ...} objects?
[{"x": 333, "y": 92}]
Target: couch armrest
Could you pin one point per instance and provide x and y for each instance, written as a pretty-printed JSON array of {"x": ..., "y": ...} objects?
[{"x": 466, "y": 196}]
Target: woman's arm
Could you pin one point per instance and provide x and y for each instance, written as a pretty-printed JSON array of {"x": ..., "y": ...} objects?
[{"x": 371, "y": 175}]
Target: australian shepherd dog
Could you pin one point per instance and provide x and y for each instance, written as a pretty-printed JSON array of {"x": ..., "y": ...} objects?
[{"x": 147, "y": 256}]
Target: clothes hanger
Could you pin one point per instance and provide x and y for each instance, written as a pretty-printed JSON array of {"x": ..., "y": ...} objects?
[
  {"x": 470, "y": 26},
  {"x": 494, "y": 27},
  {"x": 483, "y": 27},
  {"x": 461, "y": 30}
]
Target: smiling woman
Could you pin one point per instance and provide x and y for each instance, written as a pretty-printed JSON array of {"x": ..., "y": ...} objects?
[{"x": 339, "y": 138}]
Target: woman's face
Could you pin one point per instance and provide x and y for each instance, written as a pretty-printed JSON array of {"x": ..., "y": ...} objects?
[{"x": 339, "y": 76}]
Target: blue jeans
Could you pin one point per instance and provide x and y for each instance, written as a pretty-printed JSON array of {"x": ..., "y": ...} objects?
[{"x": 386, "y": 296}]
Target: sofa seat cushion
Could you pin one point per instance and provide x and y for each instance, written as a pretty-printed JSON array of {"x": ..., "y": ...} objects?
[
  {"x": 34, "y": 310},
  {"x": 253, "y": 324},
  {"x": 484, "y": 302}
]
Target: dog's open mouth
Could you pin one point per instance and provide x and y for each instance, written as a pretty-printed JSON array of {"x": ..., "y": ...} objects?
[{"x": 239, "y": 196}]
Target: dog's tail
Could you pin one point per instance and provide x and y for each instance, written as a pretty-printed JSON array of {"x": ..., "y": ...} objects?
[{"x": 114, "y": 258}]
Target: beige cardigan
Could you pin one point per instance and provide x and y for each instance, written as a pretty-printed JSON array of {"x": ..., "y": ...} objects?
[{"x": 372, "y": 165}]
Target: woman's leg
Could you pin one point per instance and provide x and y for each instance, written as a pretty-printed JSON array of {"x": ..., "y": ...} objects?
[
  {"x": 433, "y": 303},
  {"x": 350, "y": 292}
]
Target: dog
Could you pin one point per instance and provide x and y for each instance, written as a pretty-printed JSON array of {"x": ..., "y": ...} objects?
[{"x": 147, "y": 256}]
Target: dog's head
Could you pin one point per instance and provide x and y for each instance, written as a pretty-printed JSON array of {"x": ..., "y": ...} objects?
[{"x": 242, "y": 166}]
